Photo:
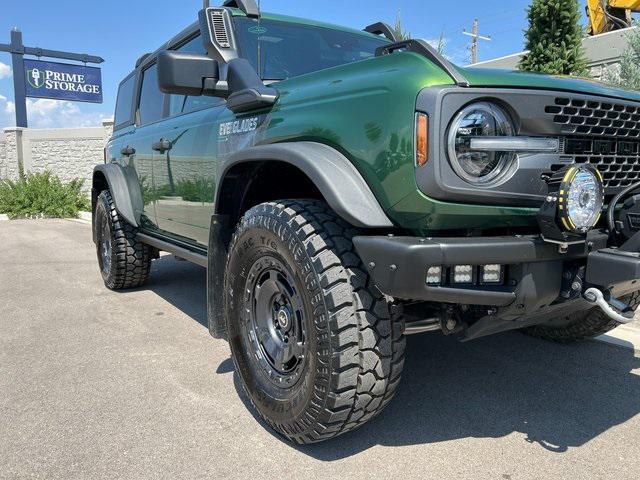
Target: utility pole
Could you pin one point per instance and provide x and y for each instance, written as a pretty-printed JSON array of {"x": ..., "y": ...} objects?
[{"x": 475, "y": 38}]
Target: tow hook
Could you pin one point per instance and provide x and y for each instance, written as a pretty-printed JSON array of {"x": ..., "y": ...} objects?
[{"x": 621, "y": 313}]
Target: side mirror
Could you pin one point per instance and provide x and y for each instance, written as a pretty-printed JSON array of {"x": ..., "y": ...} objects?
[{"x": 188, "y": 74}]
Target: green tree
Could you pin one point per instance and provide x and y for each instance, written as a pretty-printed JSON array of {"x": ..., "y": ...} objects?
[
  {"x": 554, "y": 38},
  {"x": 627, "y": 75}
]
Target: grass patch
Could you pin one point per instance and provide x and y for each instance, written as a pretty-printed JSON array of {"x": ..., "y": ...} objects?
[{"x": 37, "y": 195}]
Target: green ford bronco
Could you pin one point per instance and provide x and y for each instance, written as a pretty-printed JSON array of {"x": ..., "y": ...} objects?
[{"x": 345, "y": 189}]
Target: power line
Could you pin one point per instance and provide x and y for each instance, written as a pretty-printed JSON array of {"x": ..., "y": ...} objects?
[
  {"x": 475, "y": 40},
  {"x": 505, "y": 30},
  {"x": 505, "y": 14},
  {"x": 505, "y": 19}
]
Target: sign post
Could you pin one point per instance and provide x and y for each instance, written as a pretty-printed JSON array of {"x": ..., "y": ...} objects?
[{"x": 39, "y": 79}]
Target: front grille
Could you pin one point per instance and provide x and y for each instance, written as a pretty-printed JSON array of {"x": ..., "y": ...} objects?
[
  {"x": 604, "y": 134},
  {"x": 588, "y": 117}
]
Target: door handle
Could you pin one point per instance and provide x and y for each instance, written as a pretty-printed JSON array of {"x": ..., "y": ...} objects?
[
  {"x": 162, "y": 145},
  {"x": 128, "y": 151}
]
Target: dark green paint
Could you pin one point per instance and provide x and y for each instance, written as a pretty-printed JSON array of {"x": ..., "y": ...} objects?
[
  {"x": 364, "y": 109},
  {"x": 423, "y": 215},
  {"x": 487, "y": 77}
]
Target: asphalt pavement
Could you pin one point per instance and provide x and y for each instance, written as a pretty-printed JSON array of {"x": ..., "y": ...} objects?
[{"x": 99, "y": 385}]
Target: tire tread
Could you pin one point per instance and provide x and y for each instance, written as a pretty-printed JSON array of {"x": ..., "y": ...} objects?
[
  {"x": 366, "y": 335},
  {"x": 132, "y": 257}
]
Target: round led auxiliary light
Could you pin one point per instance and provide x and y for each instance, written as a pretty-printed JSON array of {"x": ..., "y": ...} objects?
[{"x": 580, "y": 198}]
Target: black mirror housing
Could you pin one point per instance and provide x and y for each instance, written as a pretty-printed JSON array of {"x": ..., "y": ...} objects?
[
  {"x": 247, "y": 91},
  {"x": 183, "y": 73},
  {"x": 220, "y": 74}
]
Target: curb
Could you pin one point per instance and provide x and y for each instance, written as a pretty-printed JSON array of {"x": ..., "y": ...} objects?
[
  {"x": 625, "y": 336},
  {"x": 84, "y": 218}
]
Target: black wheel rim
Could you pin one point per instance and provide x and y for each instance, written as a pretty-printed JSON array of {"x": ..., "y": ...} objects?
[
  {"x": 104, "y": 247},
  {"x": 275, "y": 326}
]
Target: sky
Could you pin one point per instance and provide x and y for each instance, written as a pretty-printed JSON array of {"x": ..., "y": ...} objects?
[{"x": 121, "y": 30}]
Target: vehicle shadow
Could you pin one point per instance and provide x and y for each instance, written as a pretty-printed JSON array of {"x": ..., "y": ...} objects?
[
  {"x": 182, "y": 284},
  {"x": 556, "y": 396}
]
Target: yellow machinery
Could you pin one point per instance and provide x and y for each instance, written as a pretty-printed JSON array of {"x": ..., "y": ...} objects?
[{"x": 609, "y": 15}]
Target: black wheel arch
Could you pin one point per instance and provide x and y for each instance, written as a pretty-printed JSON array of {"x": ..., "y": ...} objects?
[
  {"x": 128, "y": 200},
  {"x": 305, "y": 170}
]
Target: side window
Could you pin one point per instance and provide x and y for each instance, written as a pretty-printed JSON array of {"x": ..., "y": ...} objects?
[
  {"x": 151, "y": 98},
  {"x": 124, "y": 103},
  {"x": 179, "y": 103},
  {"x": 198, "y": 103},
  {"x": 176, "y": 102}
]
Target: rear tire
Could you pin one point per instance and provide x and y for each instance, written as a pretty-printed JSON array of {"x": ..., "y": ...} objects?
[
  {"x": 580, "y": 326},
  {"x": 124, "y": 260},
  {"x": 318, "y": 348}
]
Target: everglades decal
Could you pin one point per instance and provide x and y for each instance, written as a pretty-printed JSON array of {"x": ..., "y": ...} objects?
[
  {"x": 240, "y": 134},
  {"x": 238, "y": 127}
]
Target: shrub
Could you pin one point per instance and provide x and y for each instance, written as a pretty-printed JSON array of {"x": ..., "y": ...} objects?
[
  {"x": 42, "y": 195},
  {"x": 196, "y": 190},
  {"x": 190, "y": 190}
]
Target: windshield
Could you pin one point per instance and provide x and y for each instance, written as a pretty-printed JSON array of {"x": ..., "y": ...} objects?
[{"x": 290, "y": 49}]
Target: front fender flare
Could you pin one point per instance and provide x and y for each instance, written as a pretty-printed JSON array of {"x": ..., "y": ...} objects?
[{"x": 340, "y": 183}]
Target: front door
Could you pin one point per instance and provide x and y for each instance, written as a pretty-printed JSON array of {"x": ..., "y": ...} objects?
[{"x": 185, "y": 169}]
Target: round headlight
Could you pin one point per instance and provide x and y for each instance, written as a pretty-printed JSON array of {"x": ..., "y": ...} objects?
[
  {"x": 581, "y": 198},
  {"x": 479, "y": 167}
]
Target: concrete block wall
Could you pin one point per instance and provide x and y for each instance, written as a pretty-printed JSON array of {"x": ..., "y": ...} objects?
[
  {"x": 67, "y": 152},
  {"x": 182, "y": 168}
]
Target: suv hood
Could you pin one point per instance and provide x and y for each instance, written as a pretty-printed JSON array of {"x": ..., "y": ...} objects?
[{"x": 487, "y": 77}]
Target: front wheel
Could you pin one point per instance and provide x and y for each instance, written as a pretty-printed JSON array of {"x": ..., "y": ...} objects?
[{"x": 317, "y": 347}]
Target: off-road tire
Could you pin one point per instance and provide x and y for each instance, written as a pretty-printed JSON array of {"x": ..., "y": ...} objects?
[
  {"x": 130, "y": 259},
  {"x": 356, "y": 340},
  {"x": 582, "y": 325}
]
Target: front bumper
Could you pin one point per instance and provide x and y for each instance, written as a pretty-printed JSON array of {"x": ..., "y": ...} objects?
[{"x": 531, "y": 292}]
